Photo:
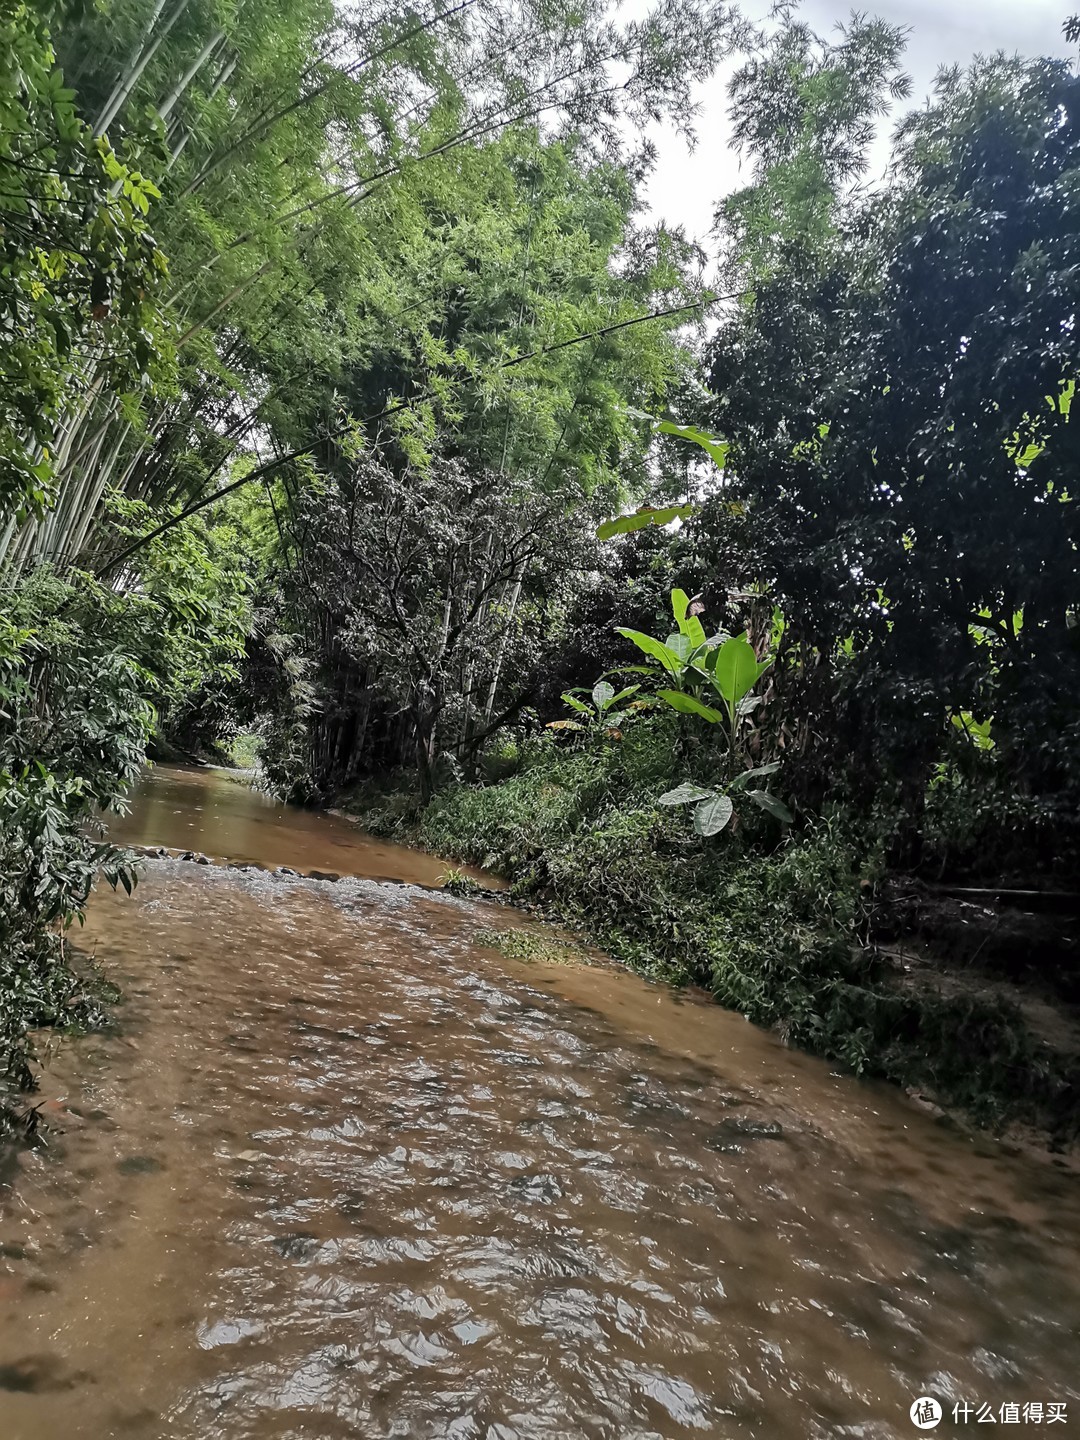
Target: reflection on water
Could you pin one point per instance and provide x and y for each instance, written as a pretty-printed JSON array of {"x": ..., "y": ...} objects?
[{"x": 341, "y": 1172}]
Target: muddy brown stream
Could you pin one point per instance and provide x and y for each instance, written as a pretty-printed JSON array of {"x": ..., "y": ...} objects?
[{"x": 341, "y": 1171}]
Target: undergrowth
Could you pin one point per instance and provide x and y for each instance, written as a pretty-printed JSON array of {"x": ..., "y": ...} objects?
[{"x": 775, "y": 925}]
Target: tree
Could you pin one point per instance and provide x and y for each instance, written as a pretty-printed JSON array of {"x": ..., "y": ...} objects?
[
  {"x": 401, "y": 581},
  {"x": 804, "y": 111},
  {"x": 471, "y": 513},
  {"x": 902, "y": 454},
  {"x": 278, "y": 139}
]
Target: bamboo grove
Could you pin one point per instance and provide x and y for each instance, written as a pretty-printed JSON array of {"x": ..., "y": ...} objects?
[{"x": 229, "y": 213}]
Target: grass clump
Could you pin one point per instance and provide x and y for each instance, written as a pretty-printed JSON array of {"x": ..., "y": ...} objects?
[
  {"x": 533, "y": 945},
  {"x": 458, "y": 883}
]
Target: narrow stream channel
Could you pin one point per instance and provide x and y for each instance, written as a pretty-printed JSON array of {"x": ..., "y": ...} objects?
[{"x": 341, "y": 1171}]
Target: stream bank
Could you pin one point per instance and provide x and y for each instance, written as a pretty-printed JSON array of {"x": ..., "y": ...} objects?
[
  {"x": 341, "y": 1168},
  {"x": 971, "y": 1009}
]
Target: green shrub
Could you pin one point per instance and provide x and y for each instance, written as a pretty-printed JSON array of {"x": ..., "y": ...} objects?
[{"x": 75, "y": 716}]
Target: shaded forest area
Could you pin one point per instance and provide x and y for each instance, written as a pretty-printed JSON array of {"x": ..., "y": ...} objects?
[{"x": 354, "y": 416}]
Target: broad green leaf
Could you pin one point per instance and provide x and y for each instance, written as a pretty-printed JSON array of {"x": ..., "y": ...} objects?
[
  {"x": 642, "y": 519},
  {"x": 977, "y": 731},
  {"x": 575, "y": 703},
  {"x": 679, "y": 645},
  {"x": 737, "y": 668},
  {"x": 654, "y": 648},
  {"x": 713, "y": 814},
  {"x": 689, "y": 705},
  {"x": 680, "y": 603},
  {"x": 716, "y": 448},
  {"x": 771, "y": 804},
  {"x": 739, "y": 783},
  {"x": 684, "y": 794}
]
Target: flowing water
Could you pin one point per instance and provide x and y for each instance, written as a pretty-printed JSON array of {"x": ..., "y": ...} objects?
[{"x": 342, "y": 1171}]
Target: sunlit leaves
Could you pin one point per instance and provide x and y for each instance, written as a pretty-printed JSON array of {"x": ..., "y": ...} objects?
[
  {"x": 690, "y": 705},
  {"x": 655, "y": 649},
  {"x": 642, "y": 518}
]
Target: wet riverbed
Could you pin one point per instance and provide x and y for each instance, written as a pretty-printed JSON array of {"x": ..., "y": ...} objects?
[{"x": 342, "y": 1171}]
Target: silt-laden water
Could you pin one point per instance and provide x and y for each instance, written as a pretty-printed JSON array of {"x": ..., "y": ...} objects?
[{"x": 342, "y": 1171}]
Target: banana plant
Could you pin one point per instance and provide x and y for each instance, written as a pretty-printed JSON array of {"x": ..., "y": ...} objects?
[
  {"x": 714, "y": 807},
  {"x": 685, "y": 655},
  {"x": 640, "y": 519},
  {"x": 722, "y": 665},
  {"x": 601, "y": 715}
]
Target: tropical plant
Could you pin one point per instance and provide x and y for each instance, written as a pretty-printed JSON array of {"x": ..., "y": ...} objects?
[
  {"x": 724, "y": 665},
  {"x": 601, "y": 716},
  {"x": 661, "y": 515},
  {"x": 715, "y": 807},
  {"x": 686, "y": 655},
  {"x": 721, "y": 664}
]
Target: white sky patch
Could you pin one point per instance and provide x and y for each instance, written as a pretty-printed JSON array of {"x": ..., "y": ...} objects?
[{"x": 686, "y": 185}]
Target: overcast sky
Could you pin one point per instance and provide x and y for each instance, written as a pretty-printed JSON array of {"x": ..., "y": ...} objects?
[{"x": 686, "y": 186}]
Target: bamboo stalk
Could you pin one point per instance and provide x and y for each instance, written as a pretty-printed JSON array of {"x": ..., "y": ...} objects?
[
  {"x": 127, "y": 82},
  {"x": 166, "y": 107}
]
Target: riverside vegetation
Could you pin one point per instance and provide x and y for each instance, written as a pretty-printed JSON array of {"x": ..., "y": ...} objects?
[{"x": 350, "y": 405}]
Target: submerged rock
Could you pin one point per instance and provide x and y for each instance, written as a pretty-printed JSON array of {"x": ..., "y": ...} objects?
[
  {"x": 34, "y": 1374},
  {"x": 139, "y": 1165},
  {"x": 300, "y": 1245},
  {"x": 733, "y": 1135}
]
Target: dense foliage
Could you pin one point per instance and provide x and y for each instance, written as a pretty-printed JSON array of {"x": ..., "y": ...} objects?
[
  {"x": 348, "y": 401},
  {"x": 84, "y": 676},
  {"x": 897, "y": 395},
  {"x": 780, "y": 932},
  {"x": 359, "y": 237}
]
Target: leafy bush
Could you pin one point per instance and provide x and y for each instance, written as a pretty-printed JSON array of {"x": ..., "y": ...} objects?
[
  {"x": 84, "y": 673},
  {"x": 74, "y": 721}
]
